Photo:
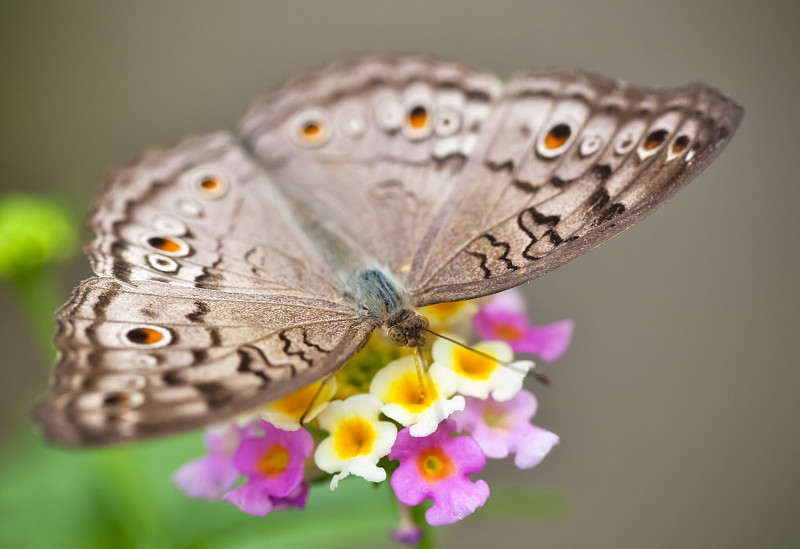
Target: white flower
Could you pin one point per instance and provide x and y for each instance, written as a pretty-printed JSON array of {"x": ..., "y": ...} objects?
[
  {"x": 357, "y": 439},
  {"x": 398, "y": 385},
  {"x": 480, "y": 376}
]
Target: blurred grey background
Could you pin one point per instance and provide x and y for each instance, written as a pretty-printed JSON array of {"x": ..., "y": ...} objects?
[{"x": 678, "y": 403}]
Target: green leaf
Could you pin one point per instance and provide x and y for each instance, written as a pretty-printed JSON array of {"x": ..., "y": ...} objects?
[{"x": 124, "y": 497}]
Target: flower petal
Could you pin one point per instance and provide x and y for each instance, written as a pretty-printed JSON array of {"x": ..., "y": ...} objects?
[
  {"x": 455, "y": 499},
  {"x": 206, "y": 478},
  {"x": 534, "y": 446},
  {"x": 250, "y": 498},
  {"x": 549, "y": 342}
]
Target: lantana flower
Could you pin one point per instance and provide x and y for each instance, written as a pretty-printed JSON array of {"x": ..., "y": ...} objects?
[
  {"x": 210, "y": 476},
  {"x": 357, "y": 439},
  {"x": 274, "y": 466},
  {"x": 450, "y": 316},
  {"x": 398, "y": 387},
  {"x": 501, "y": 428},
  {"x": 437, "y": 467},
  {"x": 286, "y": 412},
  {"x": 478, "y": 375},
  {"x": 504, "y": 318},
  {"x": 476, "y": 389}
]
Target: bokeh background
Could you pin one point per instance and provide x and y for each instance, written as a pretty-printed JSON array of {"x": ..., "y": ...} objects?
[{"x": 678, "y": 403}]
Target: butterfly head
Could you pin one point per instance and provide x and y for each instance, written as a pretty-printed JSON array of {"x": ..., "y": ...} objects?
[{"x": 407, "y": 329}]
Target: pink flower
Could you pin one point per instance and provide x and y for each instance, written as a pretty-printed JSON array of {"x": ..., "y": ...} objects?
[
  {"x": 504, "y": 318},
  {"x": 437, "y": 467},
  {"x": 211, "y": 476},
  {"x": 501, "y": 428},
  {"x": 274, "y": 464}
]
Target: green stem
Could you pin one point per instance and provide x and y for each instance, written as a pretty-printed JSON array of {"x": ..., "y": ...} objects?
[{"x": 428, "y": 540}]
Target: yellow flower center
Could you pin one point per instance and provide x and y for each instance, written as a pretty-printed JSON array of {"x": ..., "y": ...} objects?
[
  {"x": 298, "y": 402},
  {"x": 496, "y": 418},
  {"x": 405, "y": 391},
  {"x": 445, "y": 310},
  {"x": 273, "y": 462},
  {"x": 508, "y": 332},
  {"x": 434, "y": 465},
  {"x": 472, "y": 365},
  {"x": 354, "y": 437}
]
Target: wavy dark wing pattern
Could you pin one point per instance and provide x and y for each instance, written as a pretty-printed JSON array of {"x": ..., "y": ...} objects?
[
  {"x": 463, "y": 187},
  {"x": 138, "y": 362},
  {"x": 567, "y": 160},
  {"x": 376, "y": 147}
]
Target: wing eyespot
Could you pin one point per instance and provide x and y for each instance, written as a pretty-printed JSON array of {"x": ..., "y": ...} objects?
[
  {"x": 418, "y": 122},
  {"x": 143, "y": 361},
  {"x": 168, "y": 225},
  {"x": 628, "y": 137},
  {"x": 652, "y": 143},
  {"x": 679, "y": 146},
  {"x": 388, "y": 116},
  {"x": 189, "y": 207},
  {"x": 147, "y": 336},
  {"x": 310, "y": 129},
  {"x": 205, "y": 182},
  {"x": 170, "y": 245},
  {"x": 352, "y": 123},
  {"x": 557, "y": 139},
  {"x": 91, "y": 402},
  {"x": 448, "y": 122},
  {"x": 162, "y": 263},
  {"x": 590, "y": 144}
]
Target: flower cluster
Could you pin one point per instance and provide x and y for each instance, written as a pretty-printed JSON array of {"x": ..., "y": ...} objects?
[{"x": 430, "y": 419}]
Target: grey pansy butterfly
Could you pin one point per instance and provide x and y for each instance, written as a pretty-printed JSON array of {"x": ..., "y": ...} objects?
[{"x": 233, "y": 270}]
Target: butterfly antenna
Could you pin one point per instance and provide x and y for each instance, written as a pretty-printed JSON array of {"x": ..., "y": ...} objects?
[
  {"x": 316, "y": 396},
  {"x": 544, "y": 380}
]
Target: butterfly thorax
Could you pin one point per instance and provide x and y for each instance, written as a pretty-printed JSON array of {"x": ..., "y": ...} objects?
[{"x": 385, "y": 302}]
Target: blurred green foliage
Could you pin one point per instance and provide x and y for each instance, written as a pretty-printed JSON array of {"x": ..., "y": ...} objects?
[{"x": 33, "y": 233}]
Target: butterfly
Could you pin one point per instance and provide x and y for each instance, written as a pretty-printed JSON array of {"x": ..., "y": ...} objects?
[{"x": 234, "y": 269}]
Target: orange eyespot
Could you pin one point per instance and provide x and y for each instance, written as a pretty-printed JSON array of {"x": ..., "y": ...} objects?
[
  {"x": 418, "y": 117},
  {"x": 164, "y": 244},
  {"x": 144, "y": 336},
  {"x": 211, "y": 184},
  {"x": 680, "y": 144},
  {"x": 655, "y": 139},
  {"x": 311, "y": 131},
  {"x": 557, "y": 136}
]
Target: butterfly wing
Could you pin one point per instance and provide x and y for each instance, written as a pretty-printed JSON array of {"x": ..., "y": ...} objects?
[
  {"x": 566, "y": 161},
  {"x": 464, "y": 187},
  {"x": 205, "y": 215},
  {"x": 138, "y": 362},
  {"x": 374, "y": 146},
  {"x": 211, "y": 302}
]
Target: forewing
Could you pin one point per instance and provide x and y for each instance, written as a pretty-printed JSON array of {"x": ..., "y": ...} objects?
[
  {"x": 211, "y": 300},
  {"x": 373, "y": 146},
  {"x": 205, "y": 215},
  {"x": 139, "y": 362},
  {"x": 566, "y": 161}
]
